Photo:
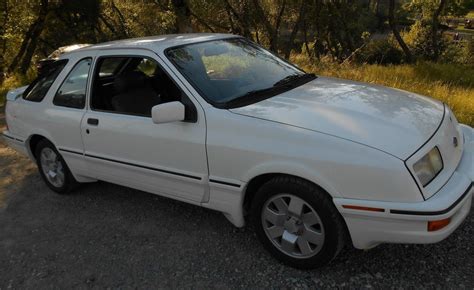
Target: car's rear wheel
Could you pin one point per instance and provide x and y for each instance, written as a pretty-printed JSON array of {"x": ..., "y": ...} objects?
[
  {"x": 297, "y": 222},
  {"x": 53, "y": 168}
]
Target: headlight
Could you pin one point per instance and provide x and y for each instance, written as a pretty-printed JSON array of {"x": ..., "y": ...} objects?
[{"x": 429, "y": 166}]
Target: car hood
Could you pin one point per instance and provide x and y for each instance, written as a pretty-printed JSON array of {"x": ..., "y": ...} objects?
[{"x": 390, "y": 120}]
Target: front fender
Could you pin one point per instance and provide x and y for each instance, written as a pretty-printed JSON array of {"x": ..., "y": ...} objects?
[{"x": 291, "y": 168}]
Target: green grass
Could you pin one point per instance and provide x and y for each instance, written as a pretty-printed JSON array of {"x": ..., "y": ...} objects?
[
  {"x": 464, "y": 30},
  {"x": 450, "y": 83}
]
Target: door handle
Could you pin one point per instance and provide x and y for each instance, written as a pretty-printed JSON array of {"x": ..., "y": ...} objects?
[{"x": 92, "y": 121}]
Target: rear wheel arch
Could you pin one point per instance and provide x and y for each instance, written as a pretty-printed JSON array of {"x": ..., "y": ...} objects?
[
  {"x": 33, "y": 141},
  {"x": 52, "y": 166}
]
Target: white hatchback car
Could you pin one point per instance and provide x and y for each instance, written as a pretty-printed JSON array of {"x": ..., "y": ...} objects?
[{"x": 217, "y": 121}]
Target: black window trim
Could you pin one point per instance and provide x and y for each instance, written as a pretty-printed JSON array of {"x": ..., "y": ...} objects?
[
  {"x": 35, "y": 81},
  {"x": 66, "y": 77},
  {"x": 189, "y": 104},
  {"x": 201, "y": 93}
]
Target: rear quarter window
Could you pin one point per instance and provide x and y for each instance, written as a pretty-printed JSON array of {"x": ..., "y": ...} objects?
[
  {"x": 72, "y": 92},
  {"x": 38, "y": 89}
]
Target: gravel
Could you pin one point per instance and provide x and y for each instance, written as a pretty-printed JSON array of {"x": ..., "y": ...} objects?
[{"x": 106, "y": 235}]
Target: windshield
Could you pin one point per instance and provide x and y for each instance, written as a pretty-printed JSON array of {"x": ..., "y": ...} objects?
[{"x": 235, "y": 72}]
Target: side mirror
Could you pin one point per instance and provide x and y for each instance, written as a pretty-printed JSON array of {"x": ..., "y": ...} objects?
[{"x": 168, "y": 112}]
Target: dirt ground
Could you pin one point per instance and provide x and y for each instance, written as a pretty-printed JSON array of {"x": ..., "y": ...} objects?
[{"x": 106, "y": 235}]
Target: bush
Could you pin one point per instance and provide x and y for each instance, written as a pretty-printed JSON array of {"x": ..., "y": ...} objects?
[
  {"x": 380, "y": 51},
  {"x": 420, "y": 41},
  {"x": 468, "y": 52},
  {"x": 11, "y": 82}
]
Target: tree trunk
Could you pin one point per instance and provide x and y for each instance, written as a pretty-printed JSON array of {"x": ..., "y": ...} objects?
[
  {"x": 243, "y": 28},
  {"x": 271, "y": 32},
  {"x": 295, "y": 30},
  {"x": 25, "y": 64},
  {"x": 393, "y": 25},
  {"x": 123, "y": 28},
  {"x": 434, "y": 29},
  {"x": 305, "y": 38},
  {"x": 28, "y": 45},
  {"x": 337, "y": 9},
  {"x": 200, "y": 20},
  {"x": 21, "y": 51},
  {"x": 183, "y": 16},
  {"x": 109, "y": 26},
  {"x": 3, "y": 41}
]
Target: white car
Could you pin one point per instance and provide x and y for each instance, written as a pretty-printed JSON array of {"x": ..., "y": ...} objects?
[{"x": 217, "y": 121}]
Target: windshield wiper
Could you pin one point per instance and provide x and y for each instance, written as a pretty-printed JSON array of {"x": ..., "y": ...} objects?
[
  {"x": 251, "y": 96},
  {"x": 294, "y": 78},
  {"x": 279, "y": 87}
]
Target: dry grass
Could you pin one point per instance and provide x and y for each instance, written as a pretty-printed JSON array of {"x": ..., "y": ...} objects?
[{"x": 450, "y": 83}]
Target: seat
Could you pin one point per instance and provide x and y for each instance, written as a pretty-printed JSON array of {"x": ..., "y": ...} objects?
[
  {"x": 134, "y": 95},
  {"x": 165, "y": 86}
]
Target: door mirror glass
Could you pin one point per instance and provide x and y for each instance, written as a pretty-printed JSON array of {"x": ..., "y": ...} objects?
[{"x": 168, "y": 112}]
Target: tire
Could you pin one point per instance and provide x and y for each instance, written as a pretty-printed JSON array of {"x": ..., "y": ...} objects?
[
  {"x": 306, "y": 240},
  {"x": 52, "y": 178}
]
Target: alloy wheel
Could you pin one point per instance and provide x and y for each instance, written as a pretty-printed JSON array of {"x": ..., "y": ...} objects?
[
  {"x": 293, "y": 226},
  {"x": 52, "y": 167}
]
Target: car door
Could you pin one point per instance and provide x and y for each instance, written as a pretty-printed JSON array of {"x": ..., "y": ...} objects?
[{"x": 129, "y": 149}]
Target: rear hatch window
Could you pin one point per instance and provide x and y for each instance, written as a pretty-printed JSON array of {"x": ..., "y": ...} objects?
[{"x": 37, "y": 90}]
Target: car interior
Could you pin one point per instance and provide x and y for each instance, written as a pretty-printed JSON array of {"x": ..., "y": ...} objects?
[{"x": 131, "y": 85}]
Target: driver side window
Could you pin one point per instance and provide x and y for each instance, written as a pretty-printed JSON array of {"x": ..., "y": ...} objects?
[{"x": 133, "y": 87}]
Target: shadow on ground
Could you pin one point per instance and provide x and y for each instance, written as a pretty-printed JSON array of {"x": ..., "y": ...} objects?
[{"x": 106, "y": 235}]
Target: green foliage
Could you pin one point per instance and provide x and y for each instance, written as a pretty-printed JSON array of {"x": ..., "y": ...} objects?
[
  {"x": 325, "y": 32},
  {"x": 14, "y": 81},
  {"x": 380, "y": 51},
  {"x": 469, "y": 52},
  {"x": 419, "y": 39},
  {"x": 426, "y": 8}
]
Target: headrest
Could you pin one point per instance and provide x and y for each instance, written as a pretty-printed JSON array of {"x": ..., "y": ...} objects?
[{"x": 129, "y": 80}]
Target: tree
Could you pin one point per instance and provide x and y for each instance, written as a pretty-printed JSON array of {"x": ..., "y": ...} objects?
[
  {"x": 183, "y": 16},
  {"x": 296, "y": 27},
  {"x": 272, "y": 30},
  {"x": 30, "y": 40},
  {"x": 434, "y": 29},
  {"x": 393, "y": 25},
  {"x": 3, "y": 41}
]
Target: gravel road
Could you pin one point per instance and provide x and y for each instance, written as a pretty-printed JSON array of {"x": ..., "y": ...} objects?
[{"x": 106, "y": 235}]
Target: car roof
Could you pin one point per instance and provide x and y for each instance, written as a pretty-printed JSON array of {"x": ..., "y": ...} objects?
[{"x": 155, "y": 43}]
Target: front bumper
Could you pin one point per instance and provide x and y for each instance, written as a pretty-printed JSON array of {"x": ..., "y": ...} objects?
[{"x": 408, "y": 222}]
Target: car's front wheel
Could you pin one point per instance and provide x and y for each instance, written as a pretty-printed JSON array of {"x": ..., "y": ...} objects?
[
  {"x": 53, "y": 168},
  {"x": 297, "y": 222}
]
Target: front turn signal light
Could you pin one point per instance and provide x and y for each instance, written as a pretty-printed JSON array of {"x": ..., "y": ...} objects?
[
  {"x": 366, "y": 208},
  {"x": 437, "y": 225}
]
